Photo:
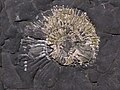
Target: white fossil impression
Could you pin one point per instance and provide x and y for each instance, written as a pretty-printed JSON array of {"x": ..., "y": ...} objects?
[{"x": 71, "y": 38}]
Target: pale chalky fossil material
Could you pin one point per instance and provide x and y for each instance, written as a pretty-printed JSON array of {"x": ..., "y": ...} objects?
[{"x": 69, "y": 34}]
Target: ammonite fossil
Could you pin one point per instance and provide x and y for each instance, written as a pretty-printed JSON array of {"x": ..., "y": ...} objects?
[{"x": 70, "y": 37}]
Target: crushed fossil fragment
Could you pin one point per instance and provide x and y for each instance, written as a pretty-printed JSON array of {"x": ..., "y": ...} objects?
[{"x": 70, "y": 34}]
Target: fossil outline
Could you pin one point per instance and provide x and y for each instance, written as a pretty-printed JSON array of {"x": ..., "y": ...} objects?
[{"x": 66, "y": 24}]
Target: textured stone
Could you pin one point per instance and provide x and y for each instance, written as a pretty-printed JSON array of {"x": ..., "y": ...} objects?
[
  {"x": 4, "y": 22},
  {"x": 45, "y": 75},
  {"x": 12, "y": 44},
  {"x": 73, "y": 79},
  {"x": 115, "y": 3},
  {"x": 109, "y": 80},
  {"x": 1, "y": 75},
  {"x": 42, "y": 4},
  {"x": 107, "y": 53},
  {"x": 9, "y": 72},
  {"x": 0, "y": 6},
  {"x": 93, "y": 75},
  {"x": 104, "y": 18},
  {"x": 1, "y": 86},
  {"x": 20, "y": 10}
]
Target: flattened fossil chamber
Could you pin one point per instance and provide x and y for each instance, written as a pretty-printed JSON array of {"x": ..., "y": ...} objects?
[{"x": 71, "y": 35}]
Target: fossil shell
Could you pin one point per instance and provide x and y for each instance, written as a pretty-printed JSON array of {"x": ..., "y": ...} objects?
[{"x": 70, "y": 34}]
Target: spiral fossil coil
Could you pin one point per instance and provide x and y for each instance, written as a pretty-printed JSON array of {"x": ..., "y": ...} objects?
[{"x": 70, "y": 35}]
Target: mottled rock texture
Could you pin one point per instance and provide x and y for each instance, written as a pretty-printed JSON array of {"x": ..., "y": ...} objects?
[{"x": 47, "y": 75}]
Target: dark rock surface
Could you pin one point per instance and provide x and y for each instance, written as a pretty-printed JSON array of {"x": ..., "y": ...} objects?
[{"x": 47, "y": 75}]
